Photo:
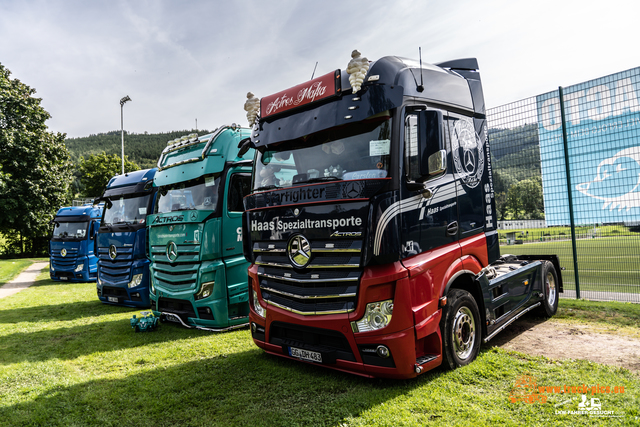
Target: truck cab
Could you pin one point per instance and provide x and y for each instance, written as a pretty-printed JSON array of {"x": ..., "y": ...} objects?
[
  {"x": 123, "y": 266},
  {"x": 71, "y": 248},
  {"x": 198, "y": 271},
  {"x": 371, "y": 224}
]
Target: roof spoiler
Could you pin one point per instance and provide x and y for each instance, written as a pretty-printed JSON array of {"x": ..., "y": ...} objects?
[
  {"x": 468, "y": 68},
  {"x": 460, "y": 64}
]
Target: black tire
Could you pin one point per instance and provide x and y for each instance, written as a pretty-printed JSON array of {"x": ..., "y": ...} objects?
[
  {"x": 460, "y": 328},
  {"x": 550, "y": 298}
]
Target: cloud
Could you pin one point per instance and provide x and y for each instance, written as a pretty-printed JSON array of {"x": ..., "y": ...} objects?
[{"x": 179, "y": 61}]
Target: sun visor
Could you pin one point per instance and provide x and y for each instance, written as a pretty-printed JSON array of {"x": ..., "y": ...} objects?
[{"x": 349, "y": 108}]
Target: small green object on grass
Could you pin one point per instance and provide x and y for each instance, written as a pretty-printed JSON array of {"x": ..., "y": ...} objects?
[{"x": 147, "y": 323}]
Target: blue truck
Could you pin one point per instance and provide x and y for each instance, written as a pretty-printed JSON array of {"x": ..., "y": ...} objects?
[
  {"x": 123, "y": 266},
  {"x": 71, "y": 248}
]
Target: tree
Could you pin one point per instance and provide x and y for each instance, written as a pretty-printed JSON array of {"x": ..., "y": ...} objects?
[
  {"x": 524, "y": 199},
  {"x": 35, "y": 170},
  {"x": 96, "y": 171}
]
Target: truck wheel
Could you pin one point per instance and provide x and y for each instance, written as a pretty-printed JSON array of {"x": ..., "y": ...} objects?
[
  {"x": 549, "y": 290},
  {"x": 460, "y": 329}
]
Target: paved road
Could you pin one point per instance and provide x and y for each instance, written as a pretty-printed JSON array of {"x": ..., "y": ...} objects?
[{"x": 24, "y": 279}]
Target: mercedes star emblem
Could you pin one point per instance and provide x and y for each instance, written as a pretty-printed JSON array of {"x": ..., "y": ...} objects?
[
  {"x": 352, "y": 190},
  {"x": 172, "y": 251},
  {"x": 299, "y": 250},
  {"x": 113, "y": 252},
  {"x": 63, "y": 252}
]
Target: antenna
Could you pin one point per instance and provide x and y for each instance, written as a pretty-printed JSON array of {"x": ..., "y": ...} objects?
[
  {"x": 420, "y": 87},
  {"x": 314, "y": 70}
]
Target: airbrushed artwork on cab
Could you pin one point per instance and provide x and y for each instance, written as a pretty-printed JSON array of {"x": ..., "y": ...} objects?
[{"x": 467, "y": 153}]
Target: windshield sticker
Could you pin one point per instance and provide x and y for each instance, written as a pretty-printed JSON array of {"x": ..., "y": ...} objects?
[
  {"x": 379, "y": 148},
  {"x": 142, "y": 211},
  {"x": 366, "y": 174},
  {"x": 209, "y": 181}
]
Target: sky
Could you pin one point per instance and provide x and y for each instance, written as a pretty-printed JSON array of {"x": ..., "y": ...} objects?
[{"x": 182, "y": 61}]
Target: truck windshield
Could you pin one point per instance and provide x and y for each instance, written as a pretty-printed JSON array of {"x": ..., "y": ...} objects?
[
  {"x": 127, "y": 210},
  {"x": 357, "y": 151},
  {"x": 70, "y": 230},
  {"x": 200, "y": 194}
]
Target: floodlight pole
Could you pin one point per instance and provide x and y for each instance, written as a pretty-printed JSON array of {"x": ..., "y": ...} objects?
[{"x": 122, "y": 102}]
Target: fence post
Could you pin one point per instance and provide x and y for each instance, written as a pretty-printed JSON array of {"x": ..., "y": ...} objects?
[{"x": 569, "y": 192}]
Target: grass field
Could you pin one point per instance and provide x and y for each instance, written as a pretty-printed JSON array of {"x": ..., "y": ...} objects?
[
  {"x": 604, "y": 264},
  {"x": 68, "y": 360},
  {"x": 10, "y": 268}
]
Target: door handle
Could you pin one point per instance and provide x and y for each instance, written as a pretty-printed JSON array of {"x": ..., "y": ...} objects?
[{"x": 452, "y": 229}]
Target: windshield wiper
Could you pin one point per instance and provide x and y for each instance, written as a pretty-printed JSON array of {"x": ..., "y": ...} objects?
[
  {"x": 266, "y": 187},
  {"x": 320, "y": 179}
]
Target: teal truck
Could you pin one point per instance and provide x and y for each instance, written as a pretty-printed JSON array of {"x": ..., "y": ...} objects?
[{"x": 198, "y": 271}]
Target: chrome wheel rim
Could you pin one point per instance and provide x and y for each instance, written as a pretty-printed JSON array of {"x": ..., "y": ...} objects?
[
  {"x": 464, "y": 333},
  {"x": 550, "y": 285}
]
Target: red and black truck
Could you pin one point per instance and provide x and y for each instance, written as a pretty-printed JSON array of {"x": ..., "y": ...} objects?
[{"x": 371, "y": 225}]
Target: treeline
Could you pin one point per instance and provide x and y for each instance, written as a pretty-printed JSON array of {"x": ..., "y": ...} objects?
[
  {"x": 142, "y": 148},
  {"x": 517, "y": 175}
]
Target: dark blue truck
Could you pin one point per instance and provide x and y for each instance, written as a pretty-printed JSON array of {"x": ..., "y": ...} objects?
[{"x": 123, "y": 266}]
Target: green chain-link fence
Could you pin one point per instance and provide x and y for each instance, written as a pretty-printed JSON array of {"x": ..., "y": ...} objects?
[{"x": 567, "y": 181}]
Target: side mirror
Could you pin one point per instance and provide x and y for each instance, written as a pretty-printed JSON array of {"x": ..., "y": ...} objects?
[
  {"x": 437, "y": 162},
  {"x": 431, "y": 143}
]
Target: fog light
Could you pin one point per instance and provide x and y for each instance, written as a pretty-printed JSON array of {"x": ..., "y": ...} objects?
[
  {"x": 79, "y": 267},
  {"x": 382, "y": 351},
  {"x": 135, "y": 281},
  {"x": 261, "y": 311},
  {"x": 205, "y": 290},
  {"x": 253, "y": 327},
  {"x": 377, "y": 315}
]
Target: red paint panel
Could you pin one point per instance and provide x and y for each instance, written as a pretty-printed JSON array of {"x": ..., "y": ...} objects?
[
  {"x": 476, "y": 246},
  {"x": 303, "y": 94}
]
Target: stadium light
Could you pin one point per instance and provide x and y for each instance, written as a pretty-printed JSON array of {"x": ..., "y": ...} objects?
[{"x": 122, "y": 102}]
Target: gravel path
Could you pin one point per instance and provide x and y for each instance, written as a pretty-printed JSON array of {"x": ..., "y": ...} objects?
[{"x": 24, "y": 279}]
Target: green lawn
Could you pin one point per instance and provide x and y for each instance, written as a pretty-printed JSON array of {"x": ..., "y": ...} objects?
[
  {"x": 66, "y": 359},
  {"x": 604, "y": 264},
  {"x": 10, "y": 268}
]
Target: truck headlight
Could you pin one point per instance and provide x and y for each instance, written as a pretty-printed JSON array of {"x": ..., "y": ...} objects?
[
  {"x": 376, "y": 316},
  {"x": 256, "y": 305},
  {"x": 135, "y": 281},
  {"x": 79, "y": 267},
  {"x": 205, "y": 290}
]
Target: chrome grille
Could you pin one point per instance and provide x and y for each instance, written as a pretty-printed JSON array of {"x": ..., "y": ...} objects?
[
  {"x": 328, "y": 285},
  {"x": 67, "y": 262},
  {"x": 182, "y": 272},
  {"x": 117, "y": 270}
]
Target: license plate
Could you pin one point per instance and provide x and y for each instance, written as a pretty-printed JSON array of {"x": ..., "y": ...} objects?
[
  {"x": 112, "y": 299},
  {"x": 311, "y": 356},
  {"x": 64, "y": 278}
]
